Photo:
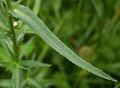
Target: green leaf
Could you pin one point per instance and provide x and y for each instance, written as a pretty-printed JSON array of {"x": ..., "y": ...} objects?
[
  {"x": 26, "y": 48},
  {"x": 34, "y": 83},
  {"x": 3, "y": 20},
  {"x": 33, "y": 64},
  {"x": 4, "y": 57},
  {"x": 26, "y": 15},
  {"x": 98, "y": 7},
  {"x": 4, "y": 83},
  {"x": 3, "y": 34}
]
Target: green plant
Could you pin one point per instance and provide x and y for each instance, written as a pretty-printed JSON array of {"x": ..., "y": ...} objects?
[{"x": 12, "y": 57}]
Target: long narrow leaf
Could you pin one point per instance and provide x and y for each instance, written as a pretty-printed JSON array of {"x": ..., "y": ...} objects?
[
  {"x": 34, "y": 64},
  {"x": 26, "y": 15}
]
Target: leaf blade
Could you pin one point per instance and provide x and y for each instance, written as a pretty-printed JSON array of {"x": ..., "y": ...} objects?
[
  {"x": 24, "y": 14},
  {"x": 34, "y": 64}
]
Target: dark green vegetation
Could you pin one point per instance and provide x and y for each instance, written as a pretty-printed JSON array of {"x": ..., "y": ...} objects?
[{"x": 89, "y": 27}]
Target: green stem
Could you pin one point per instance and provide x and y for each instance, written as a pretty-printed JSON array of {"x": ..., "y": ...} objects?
[
  {"x": 17, "y": 3},
  {"x": 16, "y": 70},
  {"x": 12, "y": 31},
  {"x": 37, "y": 6}
]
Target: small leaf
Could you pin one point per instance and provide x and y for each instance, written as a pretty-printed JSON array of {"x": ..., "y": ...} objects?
[
  {"x": 34, "y": 83},
  {"x": 27, "y": 16},
  {"x": 3, "y": 34},
  {"x": 26, "y": 48},
  {"x": 33, "y": 64},
  {"x": 3, "y": 20},
  {"x": 4, "y": 57}
]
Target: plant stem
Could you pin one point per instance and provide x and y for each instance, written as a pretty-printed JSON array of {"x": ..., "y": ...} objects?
[
  {"x": 13, "y": 38},
  {"x": 12, "y": 31},
  {"x": 16, "y": 70},
  {"x": 37, "y": 6},
  {"x": 17, "y": 3}
]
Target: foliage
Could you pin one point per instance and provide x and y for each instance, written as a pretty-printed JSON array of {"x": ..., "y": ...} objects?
[{"x": 90, "y": 28}]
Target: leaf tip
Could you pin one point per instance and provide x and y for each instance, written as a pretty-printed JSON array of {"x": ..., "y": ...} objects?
[{"x": 115, "y": 80}]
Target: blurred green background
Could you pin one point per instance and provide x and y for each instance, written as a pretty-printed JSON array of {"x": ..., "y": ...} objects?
[{"x": 91, "y": 28}]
